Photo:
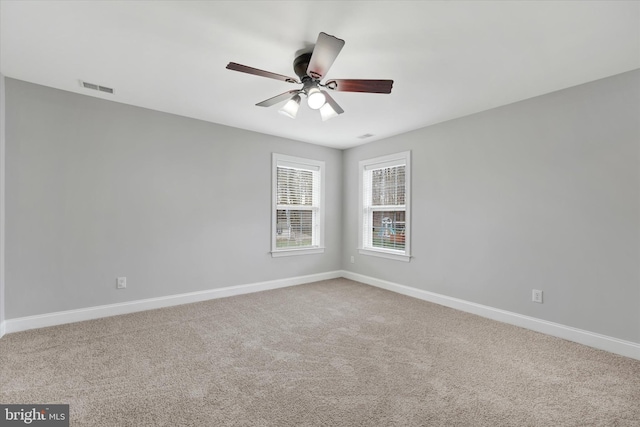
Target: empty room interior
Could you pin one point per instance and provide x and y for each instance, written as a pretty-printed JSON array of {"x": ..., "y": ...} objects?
[{"x": 367, "y": 213}]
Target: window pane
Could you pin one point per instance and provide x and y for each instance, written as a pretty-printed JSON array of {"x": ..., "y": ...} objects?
[
  {"x": 294, "y": 228},
  {"x": 387, "y": 186},
  {"x": 297, "y": 206},
  {"x": 388, "y": 229},
  {"x": 295, "y": 187}
]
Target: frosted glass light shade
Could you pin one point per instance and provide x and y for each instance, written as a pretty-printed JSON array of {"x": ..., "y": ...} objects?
[
  {"x": 327, "y": 112},
  {"x": 291, "y": 108}
]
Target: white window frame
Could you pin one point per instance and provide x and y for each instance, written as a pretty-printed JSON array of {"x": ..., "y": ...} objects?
[
  {"x": 366, "y": 209},
  {"x": 317, "y": 245}
]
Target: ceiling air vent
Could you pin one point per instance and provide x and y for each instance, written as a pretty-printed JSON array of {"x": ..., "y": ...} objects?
[
  {"x": 96, "y": 87},
  {"x": 365, "y": 136}
]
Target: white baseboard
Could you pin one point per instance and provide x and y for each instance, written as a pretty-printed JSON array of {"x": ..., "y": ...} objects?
[
  {"x": 70, "y": 316},
  {"x": 603, "y": 342},
  {"x": 591, "y": 339}
]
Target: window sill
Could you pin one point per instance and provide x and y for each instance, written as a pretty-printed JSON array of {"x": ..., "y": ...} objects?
[
  {"x": 385, "y": 254},
  {"x": 292, "y": 252}
]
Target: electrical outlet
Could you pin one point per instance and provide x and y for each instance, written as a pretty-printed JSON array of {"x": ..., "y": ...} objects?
[
  {"x": 536, "y": 296},
  {"x": 121, "y": 282},
  {"x": 353, "y": 259}
]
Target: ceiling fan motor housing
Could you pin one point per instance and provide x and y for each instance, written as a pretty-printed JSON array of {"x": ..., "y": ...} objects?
[{"x": 300, "y": 65}]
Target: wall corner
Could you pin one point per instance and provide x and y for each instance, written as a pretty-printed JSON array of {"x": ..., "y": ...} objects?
[{"x": 2, "y": 201}]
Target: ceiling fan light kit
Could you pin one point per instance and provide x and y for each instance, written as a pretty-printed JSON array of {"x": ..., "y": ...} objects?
[
  {"x": 291, "y": 108},
  {"x": 311, "y": 68},
  {"x": 315, "y": 98},
  {"x": 330, "y": 109}
]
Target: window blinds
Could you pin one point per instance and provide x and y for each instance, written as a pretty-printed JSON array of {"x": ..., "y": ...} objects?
[
  {"x": 298, "y": 202},
  {"x": 384, "y": 205}
]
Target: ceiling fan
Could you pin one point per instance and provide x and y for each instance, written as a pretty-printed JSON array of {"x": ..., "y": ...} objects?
[{"x": 311, "y": 67}]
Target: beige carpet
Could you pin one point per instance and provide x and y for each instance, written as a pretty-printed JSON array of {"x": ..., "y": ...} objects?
[{"x": 332, "y": 353}]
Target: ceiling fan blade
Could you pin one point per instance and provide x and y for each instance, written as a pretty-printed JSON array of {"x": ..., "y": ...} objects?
[
  {"x": 324, "y": 53},
  {"x": 250, "y": 70},
  {"x": 369, "y": 86},
  {"x": 278, "y": 98},
  {"x": 334, "y": 111}
]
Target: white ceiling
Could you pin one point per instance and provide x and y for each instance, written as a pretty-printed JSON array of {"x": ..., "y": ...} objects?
[{"x": 448, "y": 58}]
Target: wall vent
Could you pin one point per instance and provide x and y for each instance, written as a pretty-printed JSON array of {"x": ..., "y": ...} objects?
[{"x": 96, "y": 87}]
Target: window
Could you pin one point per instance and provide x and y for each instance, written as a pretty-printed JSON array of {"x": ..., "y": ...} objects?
[
  {"x": 384, "y": 206},
  {"x": 298, "y": 206}
]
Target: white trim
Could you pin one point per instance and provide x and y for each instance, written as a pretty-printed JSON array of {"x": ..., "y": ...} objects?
[
  {"x": 591, "y": 339},
  {"x": 385, "y": 161},
  {"x": 385, "y": 254},
  {"x": 292, "y": 252},
  {"x": 69, "y": 316},
  {"x": 317, "y": 166},
  {"x": 396, "y": 159}
]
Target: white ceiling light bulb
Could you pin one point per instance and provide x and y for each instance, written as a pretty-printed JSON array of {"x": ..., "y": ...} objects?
[
  {"x": 290, "y": 109},
  {"x": 315, "y": 98}
]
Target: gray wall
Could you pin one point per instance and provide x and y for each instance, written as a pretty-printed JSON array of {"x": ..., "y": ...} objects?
[
  {"x": 2, "y": 199},
  {"x": 97, "y": 189},
  {"x": 542, "y": 194}
]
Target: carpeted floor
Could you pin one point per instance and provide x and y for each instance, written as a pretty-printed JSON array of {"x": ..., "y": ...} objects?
[{"x": 331, "y": 353}]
